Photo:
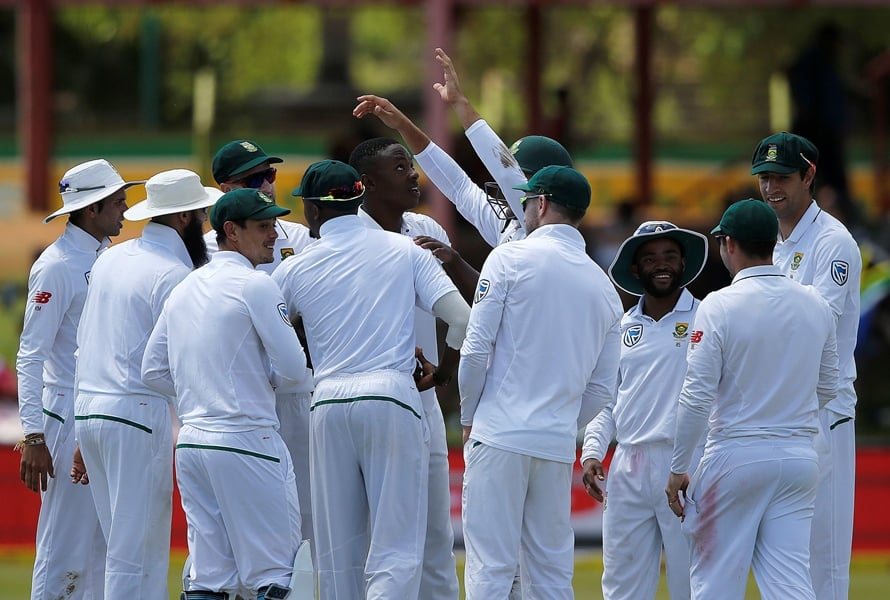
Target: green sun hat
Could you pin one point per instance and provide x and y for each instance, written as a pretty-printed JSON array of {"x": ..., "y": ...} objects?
[{"x": 693, "y": 243}]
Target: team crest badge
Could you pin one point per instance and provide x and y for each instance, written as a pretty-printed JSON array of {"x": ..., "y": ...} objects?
[
  {"x": 249, "y": 147},
  {"x": 286, "y": 252},
  {"x": 264, "y": 198},
  {"x": 632, "y": 335},
  {"x": 482, "y": 292},
  {"x": 282, "y": 312},
  {"x": 515, "y": 146},
  {"x": 681, "y": 330},
  {"x": 772, "y": 153},
  {"x": 839, "y": 271},
  {"x": 795, "y": 262}
]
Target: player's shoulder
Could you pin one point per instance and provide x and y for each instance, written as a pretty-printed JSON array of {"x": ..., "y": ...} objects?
[
  {"x": 421, "y": 224},
  {"x": 830, "y": 231}
]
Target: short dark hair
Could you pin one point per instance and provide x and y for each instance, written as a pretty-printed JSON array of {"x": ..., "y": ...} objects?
[
  {"x": 363, "y": 154},
  {"x": 221, "y": 232},
  {"x": 569, "y": 214},
  {"x": 755, "y": 248}
]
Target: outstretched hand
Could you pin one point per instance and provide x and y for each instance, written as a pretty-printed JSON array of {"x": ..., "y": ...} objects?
[
  {"x": 449, "y": 91},
  {"x": 442, "y": 251},
  {"x": 383, "y": 109}
]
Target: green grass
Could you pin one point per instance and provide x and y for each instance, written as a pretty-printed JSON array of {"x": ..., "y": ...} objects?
[{"x": 870, "y": 578}]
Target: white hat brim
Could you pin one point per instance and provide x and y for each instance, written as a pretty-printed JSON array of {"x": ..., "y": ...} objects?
[
  {"x": 90, "y": 197},
  {"x": 141, "y": 210}
]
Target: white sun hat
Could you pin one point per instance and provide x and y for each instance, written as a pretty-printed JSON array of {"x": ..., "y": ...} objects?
[
  {"x": 87, "y": 183},
  {"x": 179, "y": 190}
]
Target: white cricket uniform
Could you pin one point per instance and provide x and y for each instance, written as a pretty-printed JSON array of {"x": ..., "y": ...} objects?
[
  {"x": 821, "y": 252},
  {"x": 469, "y": 198},
  {"x": 242, "y": 536},
  {"x": 439, "y": 579},
  {"x": 123, "y": 427},
  {"x": 643, "y": 420},
  {"x": 755, "y": 370},
  {"x": 356, "y": 289},
  {"x": 70, "y": 548},
  {"x": 292, "y": 407},
  {"x": 547, "y": 320}
]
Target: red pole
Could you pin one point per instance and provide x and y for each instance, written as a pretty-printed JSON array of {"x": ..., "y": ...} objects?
[
  {"x": 35, "y": 87},
  {"x": 439, "y": 24},
  {"x": 644, "y": 100}
]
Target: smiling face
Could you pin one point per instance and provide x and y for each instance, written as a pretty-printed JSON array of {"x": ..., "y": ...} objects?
[
  {"x": 787, "y": 194},
  {"x": 659, "y": 265},
  {"x": 255, "y": 241},
  {"x": 393, "y": 178}
]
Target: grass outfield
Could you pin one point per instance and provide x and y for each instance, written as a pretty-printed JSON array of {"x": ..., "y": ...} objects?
[{"x": 870, "y": 576}]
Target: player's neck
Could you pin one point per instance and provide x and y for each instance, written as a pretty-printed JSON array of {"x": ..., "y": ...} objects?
[
  {"x": 388, "y": 219},
  {"x": 655, "y": 308}
]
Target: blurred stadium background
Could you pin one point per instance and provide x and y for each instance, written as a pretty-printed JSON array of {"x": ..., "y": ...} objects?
[{"x": 660, "y": 101}]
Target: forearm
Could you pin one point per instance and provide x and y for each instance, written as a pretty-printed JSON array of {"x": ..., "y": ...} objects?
[
  {"x": 471, "y": 380},
  {"x": 452, "y": 309},
  {"x": 464, "y": 276},
  {"x": 414, "y": 136},
  {"x": 465, "y": 111}
]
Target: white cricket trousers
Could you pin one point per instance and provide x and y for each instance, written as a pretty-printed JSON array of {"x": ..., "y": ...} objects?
[
  {"x": 293, "y": 418},
  {"x": 240, "y": 502},
  {"x": 749, "y": 505},
  {"x": 832, "y": 538},
  {"x": 70, "y": 550},
  {"x": 510, "y": 502},
  {"x": 636, "y": 523},
  {"x": 439, "y": 579},
  {"x": 127, "y": 446},
  {"x": 369, "y": 459}
]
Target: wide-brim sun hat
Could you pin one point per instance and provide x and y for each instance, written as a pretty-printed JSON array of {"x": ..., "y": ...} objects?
[
  {"x": 168, "y": 192},
  {"x": 86, "y": 184},
  {"x": 695, "y": 253}
]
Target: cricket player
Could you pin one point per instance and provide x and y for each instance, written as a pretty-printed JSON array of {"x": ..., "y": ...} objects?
[
  {"x": 242, "y": 538},
  {"x": 242, "y": 164},
  {"x": 391, "y": 188},
  {"x": 540, "y": 360},
  {"x": 757, "y": 374},
  {"x": 123, "y": 427},
  {"x": 70, "y": 549},
  {"x": 356, "y": 289},
  {"x": 816, "y": 249},
  {"x": 656, "y": 263}
]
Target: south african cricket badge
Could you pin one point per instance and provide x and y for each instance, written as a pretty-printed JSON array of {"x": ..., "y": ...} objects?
[
  {"x": 795, "y": 262},
  {"x": 286, "y": 252}
]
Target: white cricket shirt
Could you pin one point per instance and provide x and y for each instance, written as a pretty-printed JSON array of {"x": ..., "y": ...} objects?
[
  {"x": 650, "y": 375},
  {"x": 414, "y": 224},
  {"x": 128, "y": 287},
  {"x": 356, "y": 289},
  {"x": 821, "y": 252},
  {"x": 292, "y": 238},
  {"x": 469, "y": 198},
  {"x": 57, "y": 288},
  {"x": 755, "y": 366},
  {"x": 224, "y": 380},
  {"x": 546, "y": 320}
]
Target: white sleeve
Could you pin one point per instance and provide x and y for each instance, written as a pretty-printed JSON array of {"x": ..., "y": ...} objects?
[
  {"x": 603, "y": 384},
  {"x": 500, "y": 162},
  {"x": 839, "y": 268},
  {"x": 456, "y": 185},
  {"x": 49, "y": 298},
  {"x": 156, "y": 372},
  {"x": 482, "y": 331},
  {"x": 598, "y": 434},
  {"x": 704, "y": 365},
  {"x": 829, "y": 371},
  {"x": 267, "y": 310},
  {"x": 430, "y": 280}
]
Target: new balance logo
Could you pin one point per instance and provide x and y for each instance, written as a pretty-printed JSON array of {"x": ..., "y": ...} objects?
[{"x": 41, "y": 297}]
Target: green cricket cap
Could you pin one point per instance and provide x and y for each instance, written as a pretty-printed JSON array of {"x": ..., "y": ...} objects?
[
  {"x": 239, "y": 157},
  {"x": 534, "y": 152},
  {"x": 783, "y": 153},
  {"x": 244, "y": 203},
  {"x": 331, "y": 182},
  {"x": 563, "y": 185},
  {"x": 748, "y": 221}
]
